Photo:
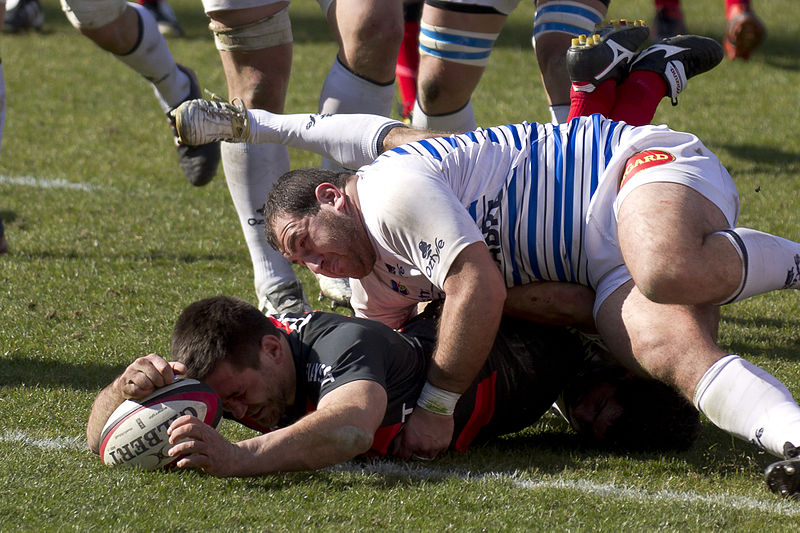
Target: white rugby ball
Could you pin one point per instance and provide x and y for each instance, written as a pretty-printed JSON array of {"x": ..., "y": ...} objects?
[{"x": 136, "y": 432}]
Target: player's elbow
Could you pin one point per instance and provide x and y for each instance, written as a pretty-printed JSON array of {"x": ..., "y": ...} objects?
[{"x": 351, "y": 441}]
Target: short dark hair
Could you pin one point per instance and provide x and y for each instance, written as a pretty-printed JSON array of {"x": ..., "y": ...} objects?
[
  {"x": 295, "y": 194},
  {"x": 219, "y": 328},
  {"x": 655, "y": 417}
]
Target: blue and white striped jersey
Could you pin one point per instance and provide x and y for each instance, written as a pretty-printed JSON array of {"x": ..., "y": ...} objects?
[{"x": 525, "y": 189}]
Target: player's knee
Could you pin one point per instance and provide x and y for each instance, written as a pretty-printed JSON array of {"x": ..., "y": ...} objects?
[
  {"x": 375, "y": 40},
  {"x": 667, "y": 285},
  {"x": 92, "y": 14}
]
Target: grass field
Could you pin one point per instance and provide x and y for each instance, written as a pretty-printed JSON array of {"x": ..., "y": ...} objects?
[{"x": 108, "y": 243}]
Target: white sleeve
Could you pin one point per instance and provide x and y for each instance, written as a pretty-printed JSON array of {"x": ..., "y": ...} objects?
[{"x": 418, "y": 217}]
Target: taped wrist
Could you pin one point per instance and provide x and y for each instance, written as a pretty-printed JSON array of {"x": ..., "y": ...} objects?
[{"x": 436, "y": 400}]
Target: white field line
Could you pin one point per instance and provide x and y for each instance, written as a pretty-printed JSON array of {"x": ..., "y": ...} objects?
[
  {"x": 729, "y": 501},
  {"x": 43, "y": 183},
  {"x": 58, "y": 443},
  {"x": 418, "y": 471}
]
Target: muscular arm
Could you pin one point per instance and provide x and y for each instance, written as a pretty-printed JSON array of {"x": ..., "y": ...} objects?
[
  {"x": 401, "y": 135},
  {"x": 475, "y": 293},
  {"x": 139, "y": 380},
  {"x": 552, "y": 302},
  {"x": 341, "y": 428}
]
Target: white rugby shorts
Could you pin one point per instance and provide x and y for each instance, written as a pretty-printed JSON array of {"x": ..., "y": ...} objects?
[{"x": 689, "y": 163}]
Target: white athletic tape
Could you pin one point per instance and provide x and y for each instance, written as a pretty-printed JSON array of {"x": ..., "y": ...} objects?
[{"x": 264, "y": 33}]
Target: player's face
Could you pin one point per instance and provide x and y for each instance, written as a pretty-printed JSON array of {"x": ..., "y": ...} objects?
[
  {"x": 597, "y": 410},
  {"x": 259, "y": 394},
  {"x": 330, "y": 243}
]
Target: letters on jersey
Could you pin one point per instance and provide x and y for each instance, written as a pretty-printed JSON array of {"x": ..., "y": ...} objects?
[{"x": 643, "y": 160}]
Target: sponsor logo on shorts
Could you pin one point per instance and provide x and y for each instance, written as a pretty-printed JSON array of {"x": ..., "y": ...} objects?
[{"x": 643, "y": 160}]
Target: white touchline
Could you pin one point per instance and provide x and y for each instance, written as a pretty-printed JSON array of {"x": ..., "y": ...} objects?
[
  {"x": 377, "y": 466},
  {"x": 730, "y": 501},
  {"x": 44, "y": 183},
  {"x": 58, "y": 443}
]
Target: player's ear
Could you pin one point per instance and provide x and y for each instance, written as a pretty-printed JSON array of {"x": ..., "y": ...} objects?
[
  {"x": 327, "y": 193},
  {"x": 270, "y": 346}
]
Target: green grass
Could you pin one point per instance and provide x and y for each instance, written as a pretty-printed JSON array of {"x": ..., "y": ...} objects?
[{"x": 97, "y": 275}]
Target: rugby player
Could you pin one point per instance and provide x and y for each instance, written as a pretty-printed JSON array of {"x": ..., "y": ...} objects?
[
  {"x": 324, "y": 388},
  {"x": 644, "y": 216}
]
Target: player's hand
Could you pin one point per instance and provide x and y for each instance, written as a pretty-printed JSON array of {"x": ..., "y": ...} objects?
[
  {"x": 145, "y": 375},
  {"x": 201, "y": 446},
  {"x": 424, "y": 436}
]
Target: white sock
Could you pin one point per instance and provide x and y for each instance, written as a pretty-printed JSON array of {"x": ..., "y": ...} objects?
[
  {"x": 351, "y": 140},
  {"x": 346, "y": 92},
  {"x": 250, "y": 171},
  {"x": 750, "y": 403},
  {"x": 152, "y": 59},
  {"x": 559, "y": 113},
  {"x": 456, "y": 122},
  {"x": 769, "y": 262}
]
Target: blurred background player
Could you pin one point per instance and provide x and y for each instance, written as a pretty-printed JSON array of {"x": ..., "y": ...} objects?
[
  {"x": 165, "y": 16},
  {"x": 130, "y": 33},
  {"x": 745, "y": 31},
  {"x": 254, "y": 39},
  {"x": 23, "y": 15}
]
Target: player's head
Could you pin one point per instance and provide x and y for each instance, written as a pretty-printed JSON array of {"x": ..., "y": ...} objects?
[
  {"x": 312, "y": 221},
  {"x": 238, "y": 351},
  {"x": 219, "y": 329},
  {"x": 612, "y": 408}
]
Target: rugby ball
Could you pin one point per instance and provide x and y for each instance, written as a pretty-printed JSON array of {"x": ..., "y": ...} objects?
[{"x": 136, "y": 432}]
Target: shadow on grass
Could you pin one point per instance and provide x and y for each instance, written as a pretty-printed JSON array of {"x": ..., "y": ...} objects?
[
  {"x": 145, "y": 256},
  {"x": 19, "y": 370},
  {"x": 763, "y": 332},
  {"x": 528, "y": 456},
  {"x": 768, "y": 156}
]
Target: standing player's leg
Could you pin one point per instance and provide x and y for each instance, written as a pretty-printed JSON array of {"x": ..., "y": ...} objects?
[
  {"x": 668, "y": 20},
  {"x": 555, "y": 24},
  {"x": 131, "y": 34},
  {"x": 455, "y": 42},
  {"x": 745, "y": 30},
  {"x": 597, "y": 64},
  {"x": 256, "y": 52},
  {"x": 408, "y": 58},
  {"x": 361, "y": 79}
]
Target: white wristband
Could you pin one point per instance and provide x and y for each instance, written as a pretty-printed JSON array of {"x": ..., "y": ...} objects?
[{"x": 436, "y": 400}]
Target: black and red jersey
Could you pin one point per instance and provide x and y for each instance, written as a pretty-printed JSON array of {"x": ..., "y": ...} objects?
[{"x": 526, "y": 369}]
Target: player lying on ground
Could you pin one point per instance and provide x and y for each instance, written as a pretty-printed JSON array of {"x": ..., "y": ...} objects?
[
  {"x": 325, "y": 388},
  {"x": 645, "y": 216}
]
